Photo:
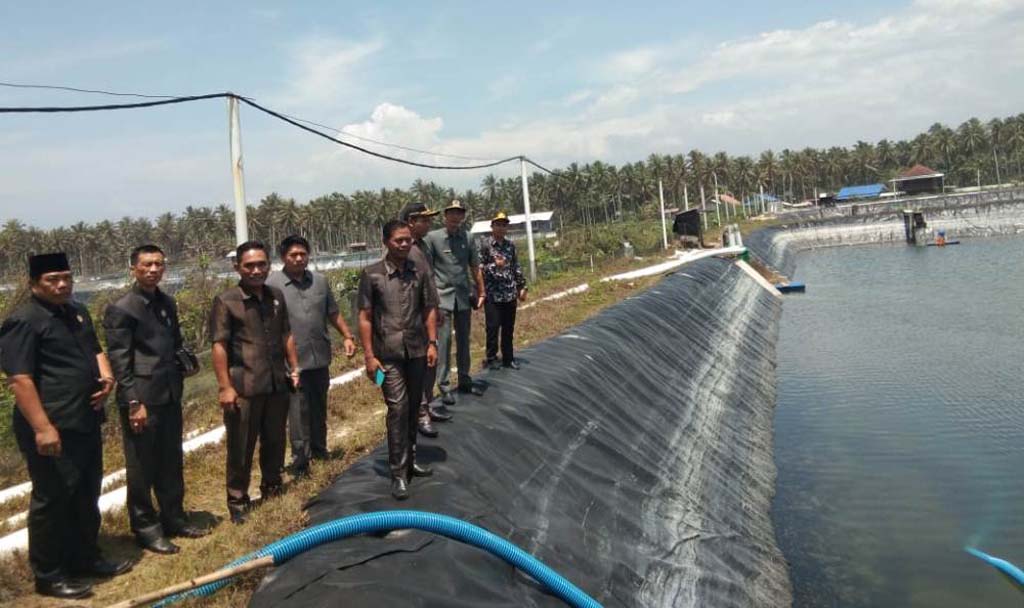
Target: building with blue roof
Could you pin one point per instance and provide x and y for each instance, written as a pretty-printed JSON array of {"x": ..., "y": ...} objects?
[{"x": 850, "y": 193}]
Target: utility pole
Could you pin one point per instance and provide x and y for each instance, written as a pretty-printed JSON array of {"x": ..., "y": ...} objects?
[
  {"x": 529, "y": 220},
  {"x": 995, "y": 156},
  {"x": 235, "y": 136},
  {"x": 718, "y": 202},
  {"x": 760, "y": 189},
  {"x": 686, "y": 198},
  {"x": 703, "y": 207},
  {"x": 664, "y": 229}
]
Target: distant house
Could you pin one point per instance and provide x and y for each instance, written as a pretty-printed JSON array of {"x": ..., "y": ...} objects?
[
  {"x": 853, "y": 193},
  {"x": 919, "y": 179},
  {"x": 541, "y": 220}
]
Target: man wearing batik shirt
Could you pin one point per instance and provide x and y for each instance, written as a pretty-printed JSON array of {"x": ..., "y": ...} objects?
[{"x": 505, "y": 286}]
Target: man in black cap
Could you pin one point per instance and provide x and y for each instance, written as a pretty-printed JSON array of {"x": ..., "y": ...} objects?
[
  {"x": 506, "y": 285},
  {"x": 60, "y": 379},
  {"x": 421, "y": 220},
  {"x": 455, "y": 257},
  {"x": 143, "y": 339}
]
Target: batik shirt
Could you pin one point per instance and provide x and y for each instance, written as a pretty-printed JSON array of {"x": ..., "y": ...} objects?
[{"x": 502, "y": 284}]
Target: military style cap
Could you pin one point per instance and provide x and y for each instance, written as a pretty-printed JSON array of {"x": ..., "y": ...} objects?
[
  {"x": 413, "y": 210},
  {"x": 455, "y": 204},
  {"x": 501, "y": 218}
]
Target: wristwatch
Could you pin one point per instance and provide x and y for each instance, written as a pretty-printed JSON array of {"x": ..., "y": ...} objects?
[{"x": 431, "y": 342}]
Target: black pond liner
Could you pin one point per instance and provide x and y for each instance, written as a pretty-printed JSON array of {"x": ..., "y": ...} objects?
[{"x": 631, "y": 453}]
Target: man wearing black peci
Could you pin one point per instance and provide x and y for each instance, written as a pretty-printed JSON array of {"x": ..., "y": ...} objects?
[
  {"x": 143, "y": 339},
  {"x": 60, "y": 379}
]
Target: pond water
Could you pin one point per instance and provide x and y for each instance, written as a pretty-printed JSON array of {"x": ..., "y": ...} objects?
[{"x": 899, "y": 432}]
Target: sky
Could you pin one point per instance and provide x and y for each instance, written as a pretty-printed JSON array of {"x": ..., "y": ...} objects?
[{"x": 560, "y": 82}]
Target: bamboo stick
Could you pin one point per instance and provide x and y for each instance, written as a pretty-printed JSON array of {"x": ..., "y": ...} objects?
[{"x": 190, "y": 584}]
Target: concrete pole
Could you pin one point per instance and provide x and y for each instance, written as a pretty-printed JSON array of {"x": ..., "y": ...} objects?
[
  {"x": 686, "y": 198},
  {"x": 529, "y": 220},
  {"x": 235, "y": 131},
  {"x": 664, "y": 229},
  {"x": 703, "y": 207},
  {"x": 718, "y": 202},
  {"x": 760, "y": 189}
]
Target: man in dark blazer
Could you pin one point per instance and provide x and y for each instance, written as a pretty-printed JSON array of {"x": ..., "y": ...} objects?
[{"x": 143, "y": 338}]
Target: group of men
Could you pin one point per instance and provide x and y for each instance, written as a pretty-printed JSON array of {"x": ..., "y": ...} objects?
[
  {"x": 270, "y": 353},
  {"x": 410, "y": 305}
]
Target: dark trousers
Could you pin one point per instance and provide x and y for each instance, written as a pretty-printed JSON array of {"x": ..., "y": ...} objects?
[
  {"x": 403, "y": 389},
  {"x": 260, "y": 417},
  {"x": 307, "y": 417},
  {"x": 459, "y": 321},
  {"x": 153, "y": 465},
  {"x": 501, "y": 317},
  {"x": 429, "y": 377},
  {"x": 63, "y": 513}
]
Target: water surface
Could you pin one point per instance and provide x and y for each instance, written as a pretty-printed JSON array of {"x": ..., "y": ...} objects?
[{"x": 899, "y": 433}]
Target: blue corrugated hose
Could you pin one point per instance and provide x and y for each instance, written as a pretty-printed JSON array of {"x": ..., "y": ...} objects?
[
  {"x": 1015, "y": 574},
  {"x": 385, "y": 521}
]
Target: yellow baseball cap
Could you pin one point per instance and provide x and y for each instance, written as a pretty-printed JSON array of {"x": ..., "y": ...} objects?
[{"x": 500, "y": 218}]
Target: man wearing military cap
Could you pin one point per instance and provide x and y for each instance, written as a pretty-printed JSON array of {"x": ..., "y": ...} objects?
[
  {"x": 454, "y": 256},
  {"x": 421, "y": 220},
  {"x": 60, "y": 378},
  {"x": 505, "y": 284}
]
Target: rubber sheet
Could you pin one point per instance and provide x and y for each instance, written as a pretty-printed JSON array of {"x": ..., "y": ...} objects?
[{"x": 631, "y": 453}]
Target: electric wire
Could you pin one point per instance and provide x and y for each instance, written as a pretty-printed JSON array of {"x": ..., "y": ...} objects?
[
  {"x": 299, "y": 125},
  {"x": 292, "y": 120}
]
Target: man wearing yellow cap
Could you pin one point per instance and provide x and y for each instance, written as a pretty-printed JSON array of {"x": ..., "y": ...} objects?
[
  {"x": 505, "y": 285},
  {"x": 455, "y": 258}
]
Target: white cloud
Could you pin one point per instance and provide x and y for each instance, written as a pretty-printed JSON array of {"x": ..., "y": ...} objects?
[{"x": 324, "y": 68}]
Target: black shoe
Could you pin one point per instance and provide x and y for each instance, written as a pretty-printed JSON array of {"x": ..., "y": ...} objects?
[
  {"x": 239, "y": 517},
  {"x": 494, "y": 365},
  {"x": 64, "y": 589},
  {"x": 447, "y": 398},
  {"x": 296, "y": 470},
  {"x": 399, "y": 488},
  {"x": 421, "y": 470},
  {"x": 426, "y": 429},
  {"x": 188, "y": 531},
  {"x": 472, "y": 389},
  {"x": 513, "y": 364},
  {"x": 160, "y": 545},
  {"x": 105, "y": 568},
  {"x": 439, "y": 414}
]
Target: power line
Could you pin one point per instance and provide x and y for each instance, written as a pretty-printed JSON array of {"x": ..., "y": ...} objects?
[
  {"x": 122, "y": 106},
  {"x": 295, "y": 123},
  {"x": 18, "y": 85},
  {"x": 384, "y": 143}
]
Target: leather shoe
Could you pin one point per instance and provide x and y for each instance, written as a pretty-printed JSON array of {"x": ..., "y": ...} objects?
[
  {"x": 439, "y": 414},
  {"x": 64, "y": 589},
  {"x": 491, "y": 364},
  {"x": 239, "y": 517},
  {"x": 513, "y": 364},
  {"x": 399, "y": 488},
  {"x": 447, "y": 398},
  {"x": 421, "y": 470},
  {"x": 472, "y": 389},
  {"x": 188, "y": 531},
  {"x": 426, "y": 429},
  {"x": 105, "y": 568},
  {"x": 160, "y": 545}
]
